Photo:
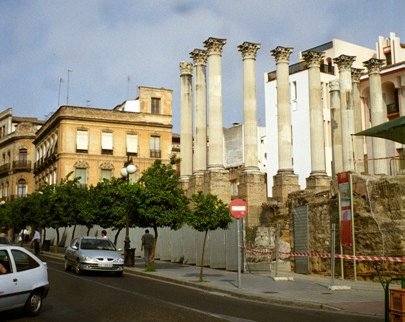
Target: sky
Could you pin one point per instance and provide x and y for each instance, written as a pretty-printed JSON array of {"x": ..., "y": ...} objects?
[{"x": 97, "y": 52}]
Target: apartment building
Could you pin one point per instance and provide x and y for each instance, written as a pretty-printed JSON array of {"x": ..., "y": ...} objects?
[
  {"x": 16, "y": 154},
  {"x": 93, "y": 144}
]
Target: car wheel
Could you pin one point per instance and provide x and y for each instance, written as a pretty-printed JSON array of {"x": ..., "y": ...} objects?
[
  {"x": 119, "y": 274},
  {"x": 78, "y": 271},
  {"x": 67, "y": 266},
  {"x": 34, "y": 303}
]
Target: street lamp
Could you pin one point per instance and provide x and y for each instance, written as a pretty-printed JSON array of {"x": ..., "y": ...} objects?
[{"x": 128, "y": 169}]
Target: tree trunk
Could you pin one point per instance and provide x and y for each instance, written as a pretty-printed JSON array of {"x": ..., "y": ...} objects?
[
  {"x": 73, "y": 233},
  {"x": 88, "y": 230},
  {"x": 152, "y": 260},
  {"x": 116, "y": 236},
  {"x": 202, "y": 256},
  {"x": 57, "y": 241}
]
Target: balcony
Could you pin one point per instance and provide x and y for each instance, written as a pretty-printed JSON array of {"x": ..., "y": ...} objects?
[
  {"x": 43, "y": 163},
  {"x": 155, "y": 154},
  {"x": 22, "y": 165},
  {"x": 4, "y": 169}
]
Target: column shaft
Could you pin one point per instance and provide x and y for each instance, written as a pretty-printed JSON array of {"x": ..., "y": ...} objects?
[
  {"x": 215, "y": 131},
  {"x": 358, "y": 121},
  {"x": 336, "y": 128},
  {"x": 186, "y": 139},
  {"x": 249, "y": 105}
]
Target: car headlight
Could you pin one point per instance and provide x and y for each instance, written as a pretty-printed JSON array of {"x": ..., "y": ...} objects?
[
  {"x": 120, "y": 260},
  {"x": 87, "y": 258}
]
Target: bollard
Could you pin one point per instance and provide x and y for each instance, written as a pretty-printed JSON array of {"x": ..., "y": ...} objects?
[{"x": 332, "y": 255}]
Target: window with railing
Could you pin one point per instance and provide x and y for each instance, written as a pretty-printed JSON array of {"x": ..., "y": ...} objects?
[
  {"x": 155, "y": 105},
  {"x": 132, "y": 144},
  {"x": 155, "y": 147},
  {"x": 107, "y": 143},
  {"x": 21, "y": 188},
  {"x": 82, "y": 141}
]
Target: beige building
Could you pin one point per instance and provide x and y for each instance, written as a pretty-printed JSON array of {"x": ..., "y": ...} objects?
[
  {"x": 93, "y": 143},
  {"x": 16, "y": 154}
]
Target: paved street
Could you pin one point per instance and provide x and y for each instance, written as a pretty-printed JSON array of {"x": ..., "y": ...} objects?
[{"x": 103, "y": 297}]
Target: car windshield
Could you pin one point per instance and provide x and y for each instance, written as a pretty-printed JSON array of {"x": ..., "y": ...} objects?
[{"x": 101, "y": 244}]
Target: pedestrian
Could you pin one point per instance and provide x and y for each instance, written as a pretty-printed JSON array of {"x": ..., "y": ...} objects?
[
  {"x": 35, "y": 241},
  {"x": 104, "y": 233},
  {"x": 147, "y": 245}
]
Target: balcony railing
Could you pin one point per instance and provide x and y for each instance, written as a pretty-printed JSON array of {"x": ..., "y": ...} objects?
[
  {"x": 155, "y": 153},
  {"x": 22, "y": 165},
  {"x": 4, "y": 169}
]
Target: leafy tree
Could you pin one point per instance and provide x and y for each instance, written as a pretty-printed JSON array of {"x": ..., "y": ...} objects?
[
  {"x": 163, "y": 202},
  {"x": 208, "y": 213}
]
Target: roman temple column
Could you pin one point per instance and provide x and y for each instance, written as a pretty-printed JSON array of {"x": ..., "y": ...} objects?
[
  {"x": 186, "y": 139},
  {"x": 336, "y": 124},
  {"x": 285, "y": 181},
  {"x": 344, "y": 63},
  {"x": 358, "y": 121},
  {"x": 199, "y": 57},
  {"x": 250, "y": 152},
  {"x": 378, "y": 113},
  {"x": 318, "y": 180},
  {"x": 251, "y": 181},
  {"x": 215, "y": 130}
]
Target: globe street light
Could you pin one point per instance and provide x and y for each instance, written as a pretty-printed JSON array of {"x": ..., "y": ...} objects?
[{"x": 128, "y": 169}]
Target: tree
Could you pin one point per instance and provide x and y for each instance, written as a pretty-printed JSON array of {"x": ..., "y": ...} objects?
[
  {"x": 163, "y": 202},
  {"x": 208, "y": 213}
]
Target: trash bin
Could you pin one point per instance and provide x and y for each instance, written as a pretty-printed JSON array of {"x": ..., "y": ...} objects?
[
  {"x": 46, "y": 245},
  {"x": 129, "y": 257}
]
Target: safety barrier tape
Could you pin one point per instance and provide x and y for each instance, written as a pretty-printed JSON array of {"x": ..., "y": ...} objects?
[{"x": 356, "y": 257}]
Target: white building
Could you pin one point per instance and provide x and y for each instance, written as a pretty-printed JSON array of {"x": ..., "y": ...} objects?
[{"x": 299, "y": 98}]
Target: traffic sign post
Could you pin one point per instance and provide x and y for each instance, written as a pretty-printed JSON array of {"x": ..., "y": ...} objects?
[{"x": 238, "y": 209}]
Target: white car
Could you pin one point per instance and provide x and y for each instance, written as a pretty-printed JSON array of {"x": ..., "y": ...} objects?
[{"x": 23, "y": 280}]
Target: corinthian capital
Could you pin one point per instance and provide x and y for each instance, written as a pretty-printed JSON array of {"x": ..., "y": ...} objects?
[
  {"x": 199, "y": 57},
  {"x": 185, "y": 68},
  {"x": 248, "y": 50},
  {"x": 374, "y": 65},
  {"x": 344, "y": 62},
  {"x": 281, "y": 54},
  {"x": 214, "y": 45},
  {"x": 356, "y": 73},
  {"x": 313, "y": 58}
]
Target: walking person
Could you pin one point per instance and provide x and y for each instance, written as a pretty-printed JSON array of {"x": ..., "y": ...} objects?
[
  {"x": 35, "y": 240},
  {"x": 147, "y": 245}
]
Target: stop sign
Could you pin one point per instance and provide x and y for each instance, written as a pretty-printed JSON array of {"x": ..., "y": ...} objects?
[{"x": 238, "y": 208}]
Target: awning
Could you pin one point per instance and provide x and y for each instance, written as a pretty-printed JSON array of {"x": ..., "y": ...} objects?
[{"x": 392, "y": 130}]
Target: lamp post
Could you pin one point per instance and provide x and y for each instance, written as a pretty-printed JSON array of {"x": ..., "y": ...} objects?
[{"x": 128, "y": 168}]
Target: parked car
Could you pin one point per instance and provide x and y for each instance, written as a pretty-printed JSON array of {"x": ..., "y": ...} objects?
[
  {"x": 94, "y": 254},
  {"x": 4, "y": 240},
  {"x": 23, "y": 280}
]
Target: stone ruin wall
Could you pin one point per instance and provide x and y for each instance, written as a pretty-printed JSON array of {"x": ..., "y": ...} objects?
[{"x": 379, "y": 206}]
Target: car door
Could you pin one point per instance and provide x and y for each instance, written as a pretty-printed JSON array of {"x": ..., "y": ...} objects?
[
  {"x": 10, "y": 296},
  {"x": 71, "y": 252}
]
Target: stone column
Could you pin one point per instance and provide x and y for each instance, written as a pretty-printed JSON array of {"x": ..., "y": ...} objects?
[
  {"x": 199, "y": 57},
  {"x": 318, "y": 180},
  {"x": 250, "y": 152},
  {"x": 336, "y": 127},
  {"x": 358, "y": 121},
  {"x": 251, "y": 181},
  {"x": 215, "y": 128},
  {"x": 344, "y": 63},
  {"x": 285, "y": 181},
  {"x": 378, "y": 113},
  {"x": 186, "y": 139}
]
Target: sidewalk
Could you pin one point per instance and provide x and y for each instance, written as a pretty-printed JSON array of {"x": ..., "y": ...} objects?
[{"x": 365, "y": 298}]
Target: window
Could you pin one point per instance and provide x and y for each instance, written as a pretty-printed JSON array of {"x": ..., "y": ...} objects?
[
  {"x": 234, "y": 188},
  {"x": 132, "y": 144},
  {"x": 106, "y": 174},
  {"x": 81, "y": 173},
  {"x": 23, "y": 261},
  {"x": 401, "y": 154},
  {"x": 21, "y": 188},
  {"x": 155, "y": 146},
  {"x": 106, "y": 143},
  {"x": 155, "y": 105},
  {"x": 22, "y": 155},
  {"x": 5, "y": 261},
  {"x": 82, "y": 141}
]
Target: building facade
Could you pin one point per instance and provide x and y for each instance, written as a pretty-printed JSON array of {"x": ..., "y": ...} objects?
[
  {"x": 16, "y": 154},
  {"x": 93, "y": 144}
]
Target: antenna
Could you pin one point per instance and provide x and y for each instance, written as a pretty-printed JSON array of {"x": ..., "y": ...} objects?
[
  {"x": 128, "y": 81},
  {"x": 67, "y": 95},
  {"x": 60, "y": 83},
  {"x": 87, "y": 103}
]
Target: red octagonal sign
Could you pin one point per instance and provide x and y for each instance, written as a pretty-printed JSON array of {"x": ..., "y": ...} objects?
[{"x": 238, "y": 208}]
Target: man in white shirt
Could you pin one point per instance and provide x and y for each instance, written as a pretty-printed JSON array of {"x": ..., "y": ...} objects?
[{"x": 35, "y": 240}]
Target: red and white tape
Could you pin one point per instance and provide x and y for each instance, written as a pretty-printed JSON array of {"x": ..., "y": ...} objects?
[{"x": 356, "y": 257}]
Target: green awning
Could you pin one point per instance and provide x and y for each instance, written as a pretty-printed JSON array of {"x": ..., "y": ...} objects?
[{"x": 392, "y": 130}]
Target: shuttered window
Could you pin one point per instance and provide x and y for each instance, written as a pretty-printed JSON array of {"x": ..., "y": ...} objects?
[
  {"x": 107, "y": 141},
  {"x": 132, "y": 143},
  {"x": 82, "y": 140}
]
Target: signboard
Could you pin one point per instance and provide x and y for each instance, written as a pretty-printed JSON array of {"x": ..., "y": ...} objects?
[
  {"x": 345, "y": 209},
  {"x": 238, "y": 208}
]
